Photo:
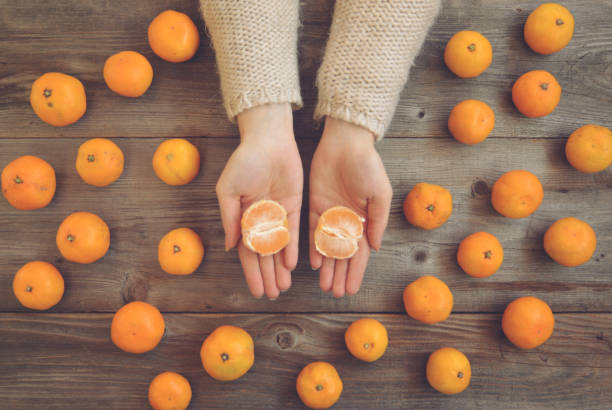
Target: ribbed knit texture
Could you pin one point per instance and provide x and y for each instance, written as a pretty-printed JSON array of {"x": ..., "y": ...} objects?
[
  {"x": 255, "y": 42},
  {"x": 371, "y": 46}
]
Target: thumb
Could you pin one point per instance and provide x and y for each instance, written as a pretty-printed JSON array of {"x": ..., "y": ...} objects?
[
  {"x": 378, "y": 216},
  {"x": 230, "y": 218}
]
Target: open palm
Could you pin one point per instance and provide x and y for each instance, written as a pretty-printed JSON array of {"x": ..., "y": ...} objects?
[
  {"x": 347, "y": 170},
  {"x": 266, "y": 165}
]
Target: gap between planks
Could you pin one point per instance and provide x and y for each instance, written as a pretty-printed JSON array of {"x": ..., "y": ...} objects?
[
  {"x": 298, "y": 138},
  {"x": 292, "y": 313}
]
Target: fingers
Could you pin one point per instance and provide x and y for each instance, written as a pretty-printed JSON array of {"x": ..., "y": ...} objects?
[
  {"x": 378, "y": 215},
  {"x": 266, "y": 266},
  {"x": 357, "y": 267},
  {"x": 230, "y": 218},
  {"x": 252, "y": 274},
  {"x": 264, "y": 274},
  {"x": 339, "y": 285},
  {"x": 326, "y": 275},
  {"x": 316, "y": 259},
  {"x": 290, "y": 253},
  {"x": 283, "y": 275}
]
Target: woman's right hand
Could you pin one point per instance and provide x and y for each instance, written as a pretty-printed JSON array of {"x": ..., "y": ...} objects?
[{"x": 266, "y": 165}]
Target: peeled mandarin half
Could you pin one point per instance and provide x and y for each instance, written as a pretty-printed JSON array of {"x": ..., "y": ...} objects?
[
  {"x": 338, "y": 232},
  {"x": 265, "y": 228}
]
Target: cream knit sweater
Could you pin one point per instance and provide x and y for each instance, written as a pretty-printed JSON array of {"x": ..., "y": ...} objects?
[{"x": 370, "y": 49}]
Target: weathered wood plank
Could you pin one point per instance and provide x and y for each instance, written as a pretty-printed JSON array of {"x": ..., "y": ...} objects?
[
  {"x": 184, "y": 99},
  {"x": 139, "y": 209},
  {"x": 68, "y": 361}
]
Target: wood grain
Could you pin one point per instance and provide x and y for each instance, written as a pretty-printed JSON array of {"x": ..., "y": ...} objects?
[
  {"x": 67, "y": 361},
  {"x": 184, "y": 99},
  {"x": 64, "y": 359},
  {"x": 140, "y": 209}
]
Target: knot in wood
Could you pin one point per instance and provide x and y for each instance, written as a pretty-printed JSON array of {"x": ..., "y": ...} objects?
[
  {"x": 480, "y": 188},
  {"x": 420, "y": 256},
  {"x": 285, "y": 340},
  {"x": 134, "y": 288}
]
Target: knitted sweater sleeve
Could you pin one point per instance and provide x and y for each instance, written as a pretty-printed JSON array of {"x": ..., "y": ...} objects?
[
  {"x": 255, "y": 44},
  {"x": 371, "y": 46}
]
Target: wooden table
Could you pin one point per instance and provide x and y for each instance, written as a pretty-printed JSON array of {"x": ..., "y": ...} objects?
[{"x": 63, "y": 358}]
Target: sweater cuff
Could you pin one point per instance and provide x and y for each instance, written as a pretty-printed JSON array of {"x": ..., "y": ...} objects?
[
  {"x": 255, "y": 45},
  {"x": 368, "y": 55},
  {"x": 350, "y": 114},
  {"x": 235, "y": 104}
]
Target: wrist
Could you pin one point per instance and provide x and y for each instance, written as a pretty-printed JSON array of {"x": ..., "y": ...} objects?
[
  {"x": 265, "y": 122},
  {"x": 347, "y": 133}
]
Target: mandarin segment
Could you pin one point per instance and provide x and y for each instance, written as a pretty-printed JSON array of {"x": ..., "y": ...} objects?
[
  {"x": 265, "y": 227},
  {"x": 268, "y": 242},
  {"x": 342, "y": 220},
  {"x": 333, "y": 246},
  {"x": 338, "y": 232},
  {"x": 263, "y": 214}
]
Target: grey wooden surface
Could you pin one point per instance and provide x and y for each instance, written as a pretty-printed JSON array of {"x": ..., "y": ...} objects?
[
  {"x": 148, "y": 208},
  {"x": 67, "y": 361},
  {"x": 184, "y": 99},
  {"x": 64, "y": 358}
]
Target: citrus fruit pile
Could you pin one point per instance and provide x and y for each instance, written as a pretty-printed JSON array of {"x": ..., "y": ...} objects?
[
  {"x": 528, "y": 321},
  {"x": 29, "y": 183}
]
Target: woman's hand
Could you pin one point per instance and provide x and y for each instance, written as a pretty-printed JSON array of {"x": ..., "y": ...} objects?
[
  {"x": 347, "y": 170},
  {"x": 266, "y": 165}
]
